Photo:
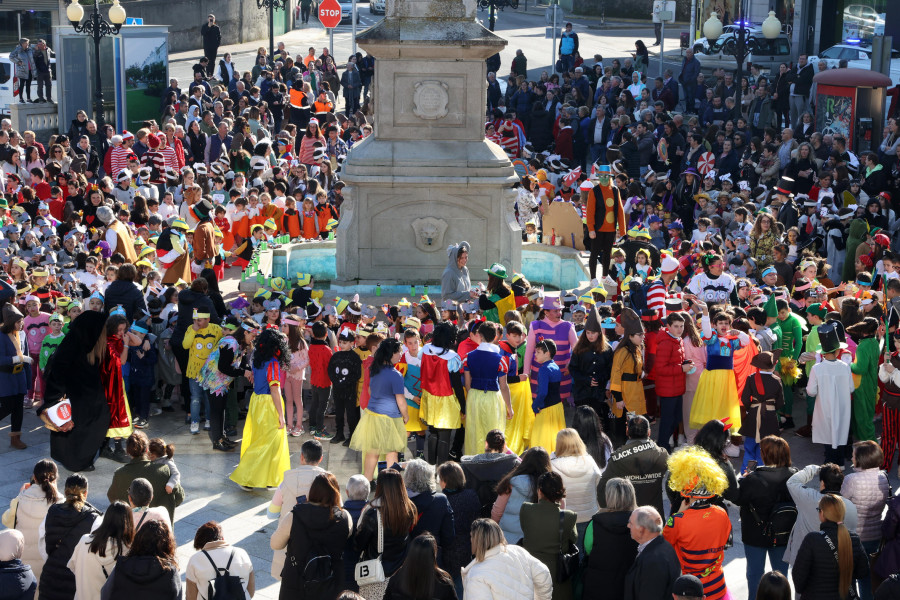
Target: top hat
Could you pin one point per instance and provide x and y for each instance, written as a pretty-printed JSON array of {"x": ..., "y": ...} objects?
[
  {"x": 830, "y": 337},
  {"x": 785, "y": 186}
]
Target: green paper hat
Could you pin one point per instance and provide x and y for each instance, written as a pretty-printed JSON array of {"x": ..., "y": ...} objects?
[
  {"x": 770, "y": 307},
  {"x": 497, "y": 270}
]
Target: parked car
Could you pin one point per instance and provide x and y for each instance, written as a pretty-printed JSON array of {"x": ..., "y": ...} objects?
[
  {"x": 376, "y": 7},
  {"x": 858, "y": 56},
  {"x": 727, "y": 42},
  {"x": 346, "y": 11},
  {"x": 9, "y": 83}
]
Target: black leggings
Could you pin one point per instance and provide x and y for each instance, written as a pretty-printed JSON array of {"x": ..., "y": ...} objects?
[
  {"x": 601, "y": 248},
  {"x": 345, "y": 404},
  {"x": 12, "y": 406},
  {"x": 439, "y": 445},
  {"x": 25, "y": 86}
]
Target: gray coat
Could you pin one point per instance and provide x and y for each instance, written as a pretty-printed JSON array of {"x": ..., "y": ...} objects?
[
  {"x": 24, "y": 60},
  {"x": 807, "y": 500},
  {"x": 455, "y": 282},
  {"x": 522, "y": 491}
]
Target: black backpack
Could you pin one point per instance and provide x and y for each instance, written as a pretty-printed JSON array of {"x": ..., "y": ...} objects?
[
  {"x": 225, "y": 586},
  {"x": 318, "y": 574}
]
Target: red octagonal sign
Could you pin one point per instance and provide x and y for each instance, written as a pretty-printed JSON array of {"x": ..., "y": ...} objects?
[{"x": 329, "y": 13}]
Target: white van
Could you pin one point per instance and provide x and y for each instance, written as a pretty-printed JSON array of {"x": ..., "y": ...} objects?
[{"x": 9, "y": 83}]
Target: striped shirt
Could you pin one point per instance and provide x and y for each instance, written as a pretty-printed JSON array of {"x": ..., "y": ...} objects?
[
  {"x": 118, "y": 160},
  {"x": 699, "y": 536},
  {"x": 656, "y": 297}
]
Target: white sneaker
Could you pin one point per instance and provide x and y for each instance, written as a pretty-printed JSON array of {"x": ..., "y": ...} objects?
[
  {"x": 206, "y": 425},
  {"x": 155, "y": 411},
  {"x": 195, "y": 428},
  {"x": 732, "y": 451},
  {"x": 682, "y": 441}
]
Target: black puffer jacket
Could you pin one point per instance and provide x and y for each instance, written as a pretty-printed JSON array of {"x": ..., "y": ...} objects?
[
  {"x": 540, "y": 129},
  {"x": 588, "y": 365},
  {"x": 64, "y": 526},
  {"x": 141, "y": 578},
  {"x": 761, "y": 490},
  {"x": 612, "y": 554},
  {"x": 314, "y": 532},
  {"x": 815, "y": 572},
  {"x": 128, "y": 295}
]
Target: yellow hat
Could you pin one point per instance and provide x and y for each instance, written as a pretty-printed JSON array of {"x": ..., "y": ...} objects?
[
  {"x": 143, "y": 263},
  {"x": 146, "y": 252},
  {"x": 278, "y": 284},
  {"x": 256, "y": 226},
  {"x": 303, "y": 279},
  {"x": 270, "y": 224}
]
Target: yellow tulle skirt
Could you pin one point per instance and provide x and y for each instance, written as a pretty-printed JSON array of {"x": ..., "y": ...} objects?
[
  {"x": 265, "y": 455},
  {"x": 547, "y": 424},
  {"x": 441, "y": 412},
  {"x": 379, "y": 433},
  {"x": 415, "y": 423},
  {"x": 716, "y": 398},
  {"x": 518, "y": 429},
  {"x": 484, "y": 411}
]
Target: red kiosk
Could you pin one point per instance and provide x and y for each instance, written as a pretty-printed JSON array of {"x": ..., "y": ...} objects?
[{"x": 851, "y": 102}]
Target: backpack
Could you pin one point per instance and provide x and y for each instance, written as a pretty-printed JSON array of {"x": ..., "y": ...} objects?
[
  {"x": 318, "y": 574},
  {"x": 225, "y": 586},
  {"x": 777, "y": 528},
  {"x": 638, "y": 296}
]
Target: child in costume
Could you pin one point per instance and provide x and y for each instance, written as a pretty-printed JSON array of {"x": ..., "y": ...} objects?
[
  {"x": 443, "y": 397},
  {"x": 625, "y": 385},
  {"x": 161, "y": 453},
  {"x": 831, "y": 382},
  {"x": 518, "y": 429},
  {"x": 142, "y": 363},
  {"x": 319, "y": 355},
  {"x": 410, "y": 366},
  {"x": 699, "y": 530},
  {"x": 865, "y": 369},
  {"x": 52, "y": 340},
  {"x": 345, "y": 370},
  {"x": 488, "y": 403},
  {"x": 265, "y": 455},
  {"x": 815, "y": 315},
  {"x": 791, "y": 328},
  {"x": 549, "y": 418},
  {"x": 36, "y": 327},
  {"x": 716, "y": 396},
  {"x": 670, "y": 367},
  {"x": 642, "y": 267},
  {"x": 762, "y": 397},
  {"x": 293, "y": 383},
  {"x": 199, "y": 340}
]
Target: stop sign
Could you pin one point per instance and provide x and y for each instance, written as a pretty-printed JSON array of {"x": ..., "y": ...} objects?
[{"x": 329, "y": 13}]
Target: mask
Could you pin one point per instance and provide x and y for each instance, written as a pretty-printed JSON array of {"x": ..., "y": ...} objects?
[{"x": 603, "y": 180}]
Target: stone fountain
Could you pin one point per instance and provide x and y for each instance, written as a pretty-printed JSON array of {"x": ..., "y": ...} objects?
[{"x": 427, "y": 177}]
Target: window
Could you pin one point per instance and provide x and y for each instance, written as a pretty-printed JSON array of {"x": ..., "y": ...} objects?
[
  {"x": 9, "y": 30},
  {"x": 833, "y": 53},
  {"x": 5, "y": 72}
]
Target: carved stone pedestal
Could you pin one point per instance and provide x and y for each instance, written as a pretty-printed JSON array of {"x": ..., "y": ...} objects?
[{"x": 427, "y": 177}]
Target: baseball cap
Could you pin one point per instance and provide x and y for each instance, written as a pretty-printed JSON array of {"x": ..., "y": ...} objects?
[{"x": 688, "y": 585}]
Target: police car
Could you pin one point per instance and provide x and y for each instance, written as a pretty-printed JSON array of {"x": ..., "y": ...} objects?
[{"x": 858, "y": 54}]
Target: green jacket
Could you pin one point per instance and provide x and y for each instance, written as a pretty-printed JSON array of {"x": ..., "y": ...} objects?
[
  {"x": 540, "y": 526},
  {"x": 157, "y": 475},
  {"x": 855, "y": 236},
  {"x": 812, "y": 345},
  {"x": 866, "y": 366},
  {"x": 791, "y": 337}
]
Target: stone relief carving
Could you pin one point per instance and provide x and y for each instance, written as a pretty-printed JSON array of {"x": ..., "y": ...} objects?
[
  {"x": 429, "y": 233},
  {"x": 431, "y": 99}
]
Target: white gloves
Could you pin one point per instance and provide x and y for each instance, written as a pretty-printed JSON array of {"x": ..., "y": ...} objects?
[{"x": 27, "y": 360}]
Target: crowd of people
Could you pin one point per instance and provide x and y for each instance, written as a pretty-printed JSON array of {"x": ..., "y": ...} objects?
[{"x": 504, "y": 430}]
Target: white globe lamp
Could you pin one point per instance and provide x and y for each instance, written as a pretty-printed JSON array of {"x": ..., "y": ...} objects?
[
  {"x": 74, "y": 12},
  {"x": 771, "y": 27},
  {"x": 712, "y": 28}
]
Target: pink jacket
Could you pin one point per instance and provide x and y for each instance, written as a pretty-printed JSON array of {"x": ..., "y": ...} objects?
[
  {"x": 869, "y": 490},
  {"x": 698, "y": 355}
]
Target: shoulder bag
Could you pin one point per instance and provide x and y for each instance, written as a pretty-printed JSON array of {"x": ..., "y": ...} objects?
[
  {"x": 369, "y": 574},
  {"x": 568, "y": 559}
]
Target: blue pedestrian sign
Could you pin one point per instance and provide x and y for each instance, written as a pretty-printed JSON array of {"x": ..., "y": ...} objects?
[{"x": 134, "y": 21}]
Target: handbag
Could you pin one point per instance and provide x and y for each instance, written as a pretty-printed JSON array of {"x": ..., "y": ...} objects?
[
  {"x": 569, "y": 557},
  {"x": 369, "y": 574}
]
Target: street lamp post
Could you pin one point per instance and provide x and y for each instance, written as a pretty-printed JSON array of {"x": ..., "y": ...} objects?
[
  {"x": 712, "y": 29},
  {"x": 97, "y": 27},
  {"x": 272, "y": 6}
]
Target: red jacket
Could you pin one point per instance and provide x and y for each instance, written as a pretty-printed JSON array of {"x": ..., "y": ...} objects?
[
  {"x": 319, "y": 355},
  {"x": 564, "y": 143},
  {"x": 667, "y": 366}
]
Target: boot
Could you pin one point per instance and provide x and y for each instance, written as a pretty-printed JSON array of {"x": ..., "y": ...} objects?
[
  {"x": 15, "y": 441},
  {"x": 119, "y": 454}
]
